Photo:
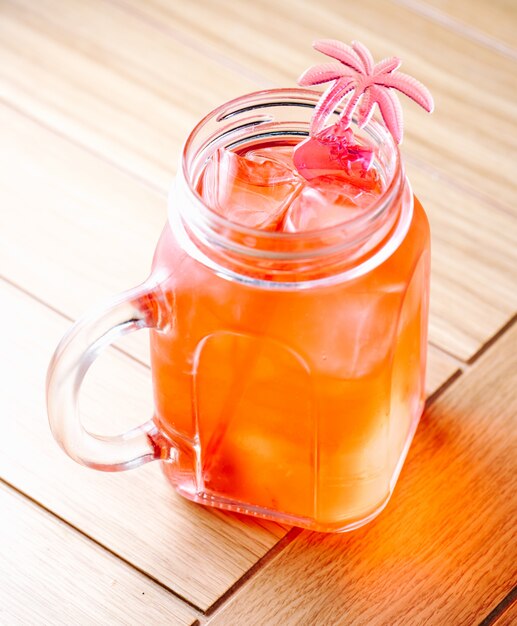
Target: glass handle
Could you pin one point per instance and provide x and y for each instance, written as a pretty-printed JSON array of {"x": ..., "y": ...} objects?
[{"x": 90, "y": 335}]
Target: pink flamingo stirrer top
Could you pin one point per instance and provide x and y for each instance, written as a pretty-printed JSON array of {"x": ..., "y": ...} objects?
[{"x": 366, "y": 84}]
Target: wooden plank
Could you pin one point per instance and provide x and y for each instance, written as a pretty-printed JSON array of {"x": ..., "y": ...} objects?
[
  {"x": 73, "y": 229},
  {"x": 84, "y": 72},
  {"x": 51, "y": 574},
  {"x": 445, "y": 549},
  {"x": 197, "y": 552},
  {"x": 474, "y": 261},
  {"x": 491, "y": 22},
  {"x": 470, "y": 138}
]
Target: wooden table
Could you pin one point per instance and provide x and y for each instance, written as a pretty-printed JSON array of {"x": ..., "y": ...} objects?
[{"x": 96, "y": 97}]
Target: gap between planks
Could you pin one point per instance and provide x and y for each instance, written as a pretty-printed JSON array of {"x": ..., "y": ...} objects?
[
  {"x": 99, "y": 155},
  {"x": 459, "y": 28},
  {"x": 428, "y": 168},
  {"x": 491, "y": 340},
  {"x": 70, "y": 319},
  {"x": 271, "y": 554},
  {"x": 499, "y": 611},
  {"x": 29, "y": 498},
  {"x": 192, "y": 43}
]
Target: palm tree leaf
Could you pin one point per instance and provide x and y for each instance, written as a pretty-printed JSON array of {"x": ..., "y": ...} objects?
[
  {"x": 340, "y": 51},
  {"x": 390, "y": 109},
  {"x": 323, "y": 73},
  {"x": 365, "y": 108},
  {"x": 329, "y": 101},
  {"x": 387, "y": 65},
  {"x": 409, "y": 86},
  {"x": 364, "y": 54}
]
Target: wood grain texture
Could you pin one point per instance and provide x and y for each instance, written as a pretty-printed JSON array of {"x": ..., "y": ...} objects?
[
  {"x": 197, "y": 552},
  {"x": 491, "y": 23},
  {"x": 100, "y": 76},
  {"x": 50, "y": 574},
  {"x": 471, "y": 136},
  {"x": 445, "y": 549},
  {"x": 73, "y": 229},
  {"x": 476, "y": 245}
]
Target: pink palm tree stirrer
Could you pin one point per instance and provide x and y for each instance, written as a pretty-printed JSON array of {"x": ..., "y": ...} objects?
[{"x": 366, "y": 84}]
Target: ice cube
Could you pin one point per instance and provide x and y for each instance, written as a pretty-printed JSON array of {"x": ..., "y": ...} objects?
[
  {"x": 280, "y": 155},
  {"x": 327, "y": 201},
  {"x": 252, "y": 190}
]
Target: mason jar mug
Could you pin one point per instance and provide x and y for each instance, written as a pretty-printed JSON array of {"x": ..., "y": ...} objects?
[{"x": 288, "y": 368}]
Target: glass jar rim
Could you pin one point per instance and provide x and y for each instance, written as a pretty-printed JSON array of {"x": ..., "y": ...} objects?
[
  {"x": 300, "y": 97},
  {"x": 298, "y": 260}
]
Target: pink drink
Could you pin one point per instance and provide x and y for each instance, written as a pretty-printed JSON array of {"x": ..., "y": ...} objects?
[{"x": 307, "y": 401}]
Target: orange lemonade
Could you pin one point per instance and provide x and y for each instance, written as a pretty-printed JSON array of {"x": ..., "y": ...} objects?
[{"x": 300, "y": 401}]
